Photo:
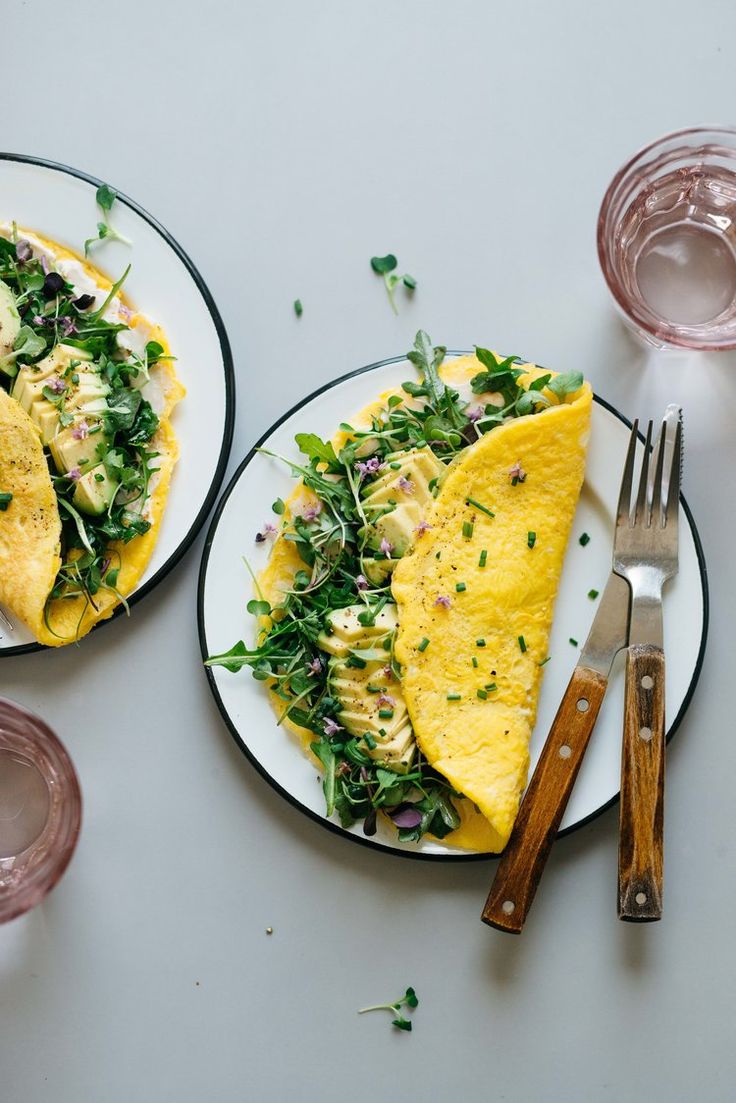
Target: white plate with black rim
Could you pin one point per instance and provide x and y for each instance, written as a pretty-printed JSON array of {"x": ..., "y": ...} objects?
[
  {"x": 59, "y": 203},
  {"x": 225, "y": 587}
]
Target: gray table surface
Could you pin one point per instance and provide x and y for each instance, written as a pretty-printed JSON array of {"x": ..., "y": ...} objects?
[{"x": 283, "y": 144}]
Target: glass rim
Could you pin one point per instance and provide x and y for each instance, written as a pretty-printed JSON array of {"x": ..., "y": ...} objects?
[
  {"x": 42, "y": 880},
  {"x": 661, "y": 332}
]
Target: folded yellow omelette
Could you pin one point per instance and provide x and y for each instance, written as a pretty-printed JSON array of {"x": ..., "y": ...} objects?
[
  {"x": 474, "y": 600},
  {"x": 56, "y": 441}
]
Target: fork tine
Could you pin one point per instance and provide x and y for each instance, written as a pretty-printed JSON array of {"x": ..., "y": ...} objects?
[
  {"x": 640, "y": 511},
  {"x": 657, "y": 516},
  {"x": 673, "y": 489},
  {"x": 623, "y": 512}
]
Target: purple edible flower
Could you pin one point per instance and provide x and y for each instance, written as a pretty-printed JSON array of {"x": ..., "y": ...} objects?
[
  {"x": 315, "y": 666},
  {"x": 385, "y": 699},
  {"x": 57, "y": 385},
  {"x": 23, "y": 250},
  {"x": 421, "y": 528},
  {"x": 386, "y": 546},
  {"x": 68, "y": 326},
  {"x": 443, "y": 600},
  {"x": 124, "y": 312},
  {"x": 369, "y": 467},
  {"x": 517, "y": 474},
  {"x": 80, "y": 430},
  {"x": 39, "y": 320},
  {"x": 388, "y": 672},
  {"x": 312, "y": 511},
  {"x": 362, "y": 582},
  {"x": 268, "y": 531},
  {"x": 405, "y": 484},
  {"x": 406, "y": 815},
  {"x": 475, "y": 414},
  {"x": 75, "y": 473},
  {"x": 44, "y": 264},
  {"x": 331, "y": 727}
]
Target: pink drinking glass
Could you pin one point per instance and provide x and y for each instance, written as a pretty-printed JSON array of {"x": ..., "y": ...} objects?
[
  {"x": 667, "y": 239},
  {"x": 40, "y": 810}
]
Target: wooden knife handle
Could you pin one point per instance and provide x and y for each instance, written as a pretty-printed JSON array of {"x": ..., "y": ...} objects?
[
  {"x": 640, "y": 851},
  {"x": 544, "y": 803}
]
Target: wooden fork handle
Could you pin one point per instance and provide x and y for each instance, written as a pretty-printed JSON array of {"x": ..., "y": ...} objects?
[
  {"x": 640, "y": 852},
  {"x": 544, "y": 803}
]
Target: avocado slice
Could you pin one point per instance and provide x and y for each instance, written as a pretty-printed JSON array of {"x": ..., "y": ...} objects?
[
  {"x": 9, "y": 319},
  {"x": 391, "y": 738},
  {"x": 95, "y": 491},
  {"x": 87, "y": 395},
  {"x": 377, "y": 571},
  {"x": 70, "y": 451},
  {"x": 393, "y": 513},
  {"x": 345, "y": 632},
  {"x": 32, "y": 378}
]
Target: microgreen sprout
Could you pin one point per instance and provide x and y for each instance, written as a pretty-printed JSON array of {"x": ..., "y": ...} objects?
[
  {"x": 105, "y": 197},
  {"x": 385, "y": 267},
  {"x": 409, "y": 999}
]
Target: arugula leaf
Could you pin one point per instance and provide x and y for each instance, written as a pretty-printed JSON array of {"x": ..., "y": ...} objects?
[
  {"x": 122, "y": 407},
  {"x": 326, "y": 755},
  {"x": 318, "y": 450},
  {"x": 566, "y": 383},
  {"x": 239, "y": 653},
  {"x": 145, "y": 424},
  {"x": 28, "y": 343},
  {"x": 428, "y": 359}
]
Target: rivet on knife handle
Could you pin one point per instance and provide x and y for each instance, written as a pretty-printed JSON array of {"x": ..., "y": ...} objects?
[
  {"x": 640, "y": 855},
  {"x": 523, "y": 861}
]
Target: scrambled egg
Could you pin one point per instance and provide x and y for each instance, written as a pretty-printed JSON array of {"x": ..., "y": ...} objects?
[{"x": 502, "y": 614}]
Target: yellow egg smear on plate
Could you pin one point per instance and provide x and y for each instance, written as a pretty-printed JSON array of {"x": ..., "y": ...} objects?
[
  {"x": 405, "y": 608},
  {"x": 87, "y": 390}
]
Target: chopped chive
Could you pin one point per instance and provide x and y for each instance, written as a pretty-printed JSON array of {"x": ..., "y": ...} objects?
[
  {"x": 298, "y": 308},
  {"x": 484, "y": 509},
  {"x": 592, "y": 594},
  {"x": 369, "y": 741},
  {"x": 467, "y": 529},
  {"x": 385, "y": 714},
  {"x": 438, "y": 555},
  {"x": 483, "y": 558},
  {"x": 491, "y": 686},
  {"x": 522, "y": 644},
  {"x": 373, "y": 689},
  {"x": 584, "y": 539},
  {"x": 482, "y": 694},
  {"x": 359, "y": 664},
  {"x": 423, "y": 645},
  {"x": 474, "y": 661},
  {"x": 453, "y": 696},
  {"x": 573, "y": 642},
  {"x": 460, "y": 587},
  {"x": 531, "y": 539},
  {"x": 544, "y": 661},
  {"x": 480, "y": 643},
  {"x": 395, "y": 466},
  {"x": 432, "y": 484}
]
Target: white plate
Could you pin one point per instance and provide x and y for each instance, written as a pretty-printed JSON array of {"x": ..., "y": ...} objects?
[
  {"x": 225, "y": 587},
  {"x": 59, "y": 203}
]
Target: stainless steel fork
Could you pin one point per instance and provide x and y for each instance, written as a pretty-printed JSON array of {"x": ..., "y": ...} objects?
[{"x": 645, "y": 553}]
